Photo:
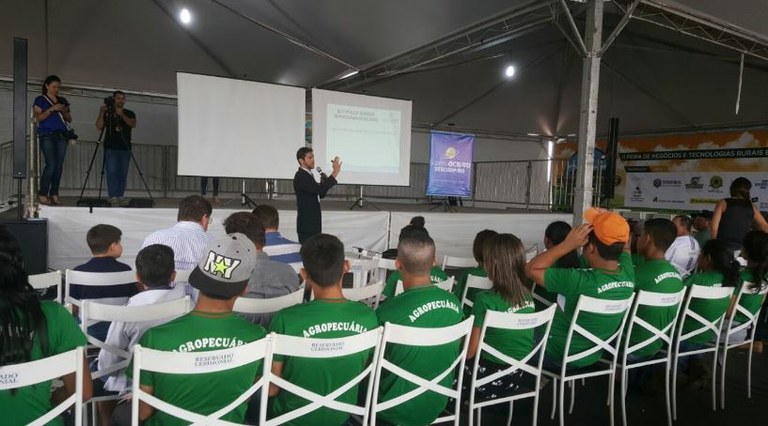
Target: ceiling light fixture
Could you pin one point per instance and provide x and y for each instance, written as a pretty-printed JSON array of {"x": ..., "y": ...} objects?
[
  {"x": 185, "y": 17},
  {"x": 350, "y": 74},
  {"x": 510, "y": 71}
]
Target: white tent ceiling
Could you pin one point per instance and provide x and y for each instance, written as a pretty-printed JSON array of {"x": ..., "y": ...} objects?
[{"x": 653, "y": 78}]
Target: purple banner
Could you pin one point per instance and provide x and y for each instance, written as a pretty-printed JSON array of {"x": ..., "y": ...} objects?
[{"x": 450, "y": 164}]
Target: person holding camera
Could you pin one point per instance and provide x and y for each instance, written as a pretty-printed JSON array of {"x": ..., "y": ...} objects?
[
  {"x": 52, "y": 115},
  {"x": 117, "y": 122}
]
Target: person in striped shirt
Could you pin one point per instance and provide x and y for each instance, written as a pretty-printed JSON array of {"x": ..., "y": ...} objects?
[{"x": 279, "y": 248}]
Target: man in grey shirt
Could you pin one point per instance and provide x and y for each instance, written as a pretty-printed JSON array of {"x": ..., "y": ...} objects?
[{"x": 270, "y": 278}]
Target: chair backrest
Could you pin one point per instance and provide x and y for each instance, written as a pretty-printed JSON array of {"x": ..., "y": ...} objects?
[
  {"x": 92, "y": 311},
  {"x": 250, "y": 305},
  {"x": 519, "y": 322},
  {"x": 474, "y": 281},
  {"x": 45, "y": 280},
  {"x": 537, "y": 297},
  {"x": 458, "y": 262},
  {"x": 531, "y": 252},
  {"x": 666, "y": 333},
  {"x": 446, "y": 285},
  {"x": 293, "y": 346},
  {"x": 29, "y": 373},
  {"x": 384, "y": 266},
  {"x": 370, "y": 291},
  {"x": 703, "y": 293},
  {"x": 419, "y": 337},
  {"x": 593, "y": 305},
  {"x": 741, "y": 310},
  {"x": 94, "y": 279},
  {"x": 145, "y": 359}
]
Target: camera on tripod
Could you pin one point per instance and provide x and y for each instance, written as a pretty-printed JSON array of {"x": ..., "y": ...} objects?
[{"x": 109, "y": 101}]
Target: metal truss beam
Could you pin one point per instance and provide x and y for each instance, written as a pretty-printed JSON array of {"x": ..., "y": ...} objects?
[{"x": 501, "y": 28}]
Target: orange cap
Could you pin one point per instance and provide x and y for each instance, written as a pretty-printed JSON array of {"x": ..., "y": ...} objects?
[{"x": 609, "y": 227}]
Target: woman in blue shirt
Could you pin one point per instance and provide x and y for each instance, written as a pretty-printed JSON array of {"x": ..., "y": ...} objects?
[{"x": 52, "y": 115}]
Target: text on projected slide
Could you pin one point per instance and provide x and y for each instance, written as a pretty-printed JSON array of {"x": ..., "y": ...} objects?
[{"x": 366, "y": 139}]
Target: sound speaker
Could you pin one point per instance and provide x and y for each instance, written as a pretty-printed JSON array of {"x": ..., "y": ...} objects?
[
  {"x": 32, "y": 235},
  {"x": 20, "y": 111}
]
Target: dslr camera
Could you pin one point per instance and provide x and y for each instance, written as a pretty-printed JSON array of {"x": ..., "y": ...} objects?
[{"x": 109, "y": 101}]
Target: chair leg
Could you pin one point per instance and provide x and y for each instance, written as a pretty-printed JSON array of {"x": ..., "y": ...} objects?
[
  {"x": 611, "y": 389},
  {"x": 573, "y": 397},
  {"x": 722, "y": 378},
  {"x": 666, "y": 393},
  {"x": 536, "y": 409},
  {"x": 674, "y": 387},
  {"x": 714, "y": 382},
  {"x": 561, "y": 403},
  {"x": 749, "y": 371},
  {"x": 624, "y": 375},
  {"x": 479, "y": 416},
  {"x": 554, "y": 398},
  {"x": 511, "y": 409}
]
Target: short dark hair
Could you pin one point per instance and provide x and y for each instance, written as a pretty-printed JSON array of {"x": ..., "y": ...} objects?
[
  {"x": 606, "y": 251},
  {"x": 248, "y": 225},
  {"x": 267, "y": 215},
  {"x": 118, "y": 92},
  {"x": 100, "y": 237},
  {"x": 685, "y": 221},
  {"x": 193, "y": 208},
  {"x": 323, "y": 257},
  {"x": 479, "y": 242},
  {"x": 662, "y": 232},
  {"x": 416, "y": 252},
  {"x": 155, "y": 265},
  {"x": 302, "y": 152}
]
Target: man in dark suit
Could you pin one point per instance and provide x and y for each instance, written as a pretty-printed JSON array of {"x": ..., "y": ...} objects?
[{"x": 308, "y": 193}]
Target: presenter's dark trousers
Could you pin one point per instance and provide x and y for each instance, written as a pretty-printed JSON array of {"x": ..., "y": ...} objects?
[{"x": 304, "y": 236}]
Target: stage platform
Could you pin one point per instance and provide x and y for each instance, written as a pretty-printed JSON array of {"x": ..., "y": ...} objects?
[{"x": 369, "y": 228}]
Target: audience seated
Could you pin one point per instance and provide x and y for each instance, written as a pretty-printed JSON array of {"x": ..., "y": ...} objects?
[
  {"x": 420, "y": 305},
  {"x": 104, "y": 242},
  {"x": 279, "y": 248},
  {"x": 270, "y": 278},
  {"x": 684, "y": 250},
  {"x": 554, "y": 235},
  {"x": 188, "y": 237},
  {"x": 329, "y": 315},
  {"x": 604, "y": 239},
  {"x": 479, "y": 271},
  {"x": 40, "y": 330},
  {"x": 221, "y": 276},
  {"x": 654, "y": 273},
  {"x": 504, "y": 256},
  {"x": 701, "y": 223},
  {"x": 755, "y": 251},
  {"x": 436, "y": 274}
]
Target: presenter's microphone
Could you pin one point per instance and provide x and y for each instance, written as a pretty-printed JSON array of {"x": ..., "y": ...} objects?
[{"x": 322, "y": 175}]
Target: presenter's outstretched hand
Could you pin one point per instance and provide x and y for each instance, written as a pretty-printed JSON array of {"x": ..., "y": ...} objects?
[{"x": 336, "y": 166}]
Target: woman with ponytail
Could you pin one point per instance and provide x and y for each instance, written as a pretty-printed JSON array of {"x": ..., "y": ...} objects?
[
  {"x": 31, "y": 330},
  {"x": 755, "y": 252}
]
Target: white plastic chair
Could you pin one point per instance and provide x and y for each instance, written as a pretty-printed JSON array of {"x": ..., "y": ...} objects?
[
  {"x": 446, "y": 285},
  {"x": 610, "y": 345},
  {"x": 92, "y": 311},
  {"x": 46, "y": 369},
  {"x": 473, "y": 281},
  {"x": 370, "y": 292},
  {"x": 145, "y": 359},
  {"x": 47, "y": 280},
  {"x": 733, "y": 328},
  {"x": 292, "y": 346},
  {"x": 666, "y": 334},
  {"x": 519, "y": 322},
  {"x": 384, "y": 266},
  {"x": 704, "y": 293},
  {"x": 458, "y": 262},
  {"x": 538, "y": 297},
  {"x": 250, "y": 305},
  {"x": 416, "y": 336},
  {"x": 96, "y": 279}
]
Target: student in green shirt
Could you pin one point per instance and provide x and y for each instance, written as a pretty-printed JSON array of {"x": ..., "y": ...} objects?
[
  {"x": 221, "y": 276},
  {"x": 436, "y": 274},
  {"x": 328, "y": 316},
  {"x": 655, "y": 274},
  {"x": 755, "y": 252},
  {"x": 420, "y": 305},
  {"x": 604, "y": 239},
  {"x": 554, "y": 235},
  {"x": 42, "y": 329},
  {"x": 478, "y": 271},
  {"x": 504, "y": 256}
]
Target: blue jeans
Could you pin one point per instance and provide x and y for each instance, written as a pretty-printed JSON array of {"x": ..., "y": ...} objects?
[
  {"x": 116, "y": 162},
  {"x": 54, "y": 148}
]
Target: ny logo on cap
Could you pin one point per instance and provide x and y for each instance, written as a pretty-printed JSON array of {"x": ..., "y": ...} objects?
[{"x": 218, "y": 264}]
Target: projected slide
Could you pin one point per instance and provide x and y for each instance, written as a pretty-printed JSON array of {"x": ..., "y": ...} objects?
[
  {"x": 237, "y": 128},
  {"x": 371, "y": 135}
]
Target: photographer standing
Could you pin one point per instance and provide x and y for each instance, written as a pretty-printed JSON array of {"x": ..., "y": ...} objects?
[{"x": 117, "y": 123}]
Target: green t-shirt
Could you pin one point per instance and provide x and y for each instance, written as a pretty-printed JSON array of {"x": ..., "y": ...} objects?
[
  {"x": 30, "y": 402},
  {"x": 436, "y": 275},
  {"x": 426, "y": 306},
  {"x": 548, "y": 295},
  {"x": 751, "y": 301},
  {"x": 201, "y": 393},
  {"x": 458, "y": 289},
  {"x": 321, "y": 319},
  {"x": 710, "y": 309},
  {"x": 658, "y": 276},
  {"x": 596, "y": 283},
  {"x": 702, "y": 237},
  {"x": 514, "y": 343}
]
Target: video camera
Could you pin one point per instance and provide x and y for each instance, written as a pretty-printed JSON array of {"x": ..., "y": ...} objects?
[{"x": 109, "y": 101}]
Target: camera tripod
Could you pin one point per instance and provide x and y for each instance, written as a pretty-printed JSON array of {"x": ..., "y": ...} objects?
[{"x": 109, "y": 121}]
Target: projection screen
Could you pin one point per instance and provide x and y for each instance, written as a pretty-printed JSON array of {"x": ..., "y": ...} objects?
[
  {"x": 237, "y": 128},
  {"x": 371, "y": 135}
]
